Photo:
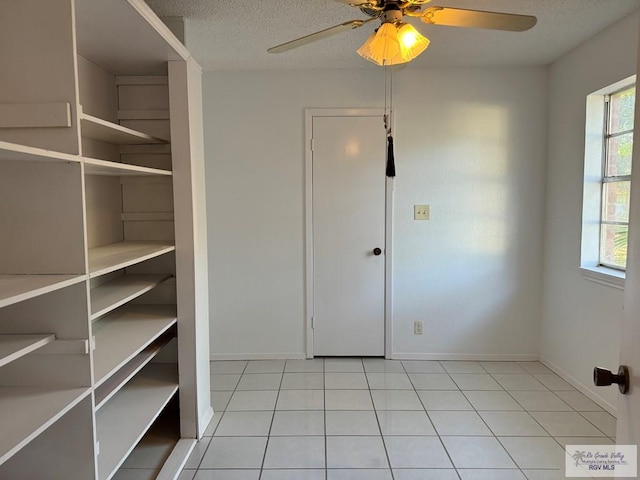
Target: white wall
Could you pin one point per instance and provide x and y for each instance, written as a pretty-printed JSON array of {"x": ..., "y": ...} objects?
[
  {"x": 581, "y": 319},
  {"x": 469, "y": 142}
]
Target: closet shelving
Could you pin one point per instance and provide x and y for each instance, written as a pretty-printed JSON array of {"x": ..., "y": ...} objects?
[
  {"x": 122, "y": 421},
  {"x": 123, "y": 289},
  {"x": 16, "y": 288},
  {"x": 26, "y": 412},
  {"x": 109, "y": 387},
  {"x": 102, "y": 167},
  {"x": 116, "y": 256},
  {"x": 104, "y": 131},
  {"x": 102, "y": 291},
  {"x": 12, "y": 347},
  {"x": 121, "y": 335},
  {"x": 17, "y": 152}
]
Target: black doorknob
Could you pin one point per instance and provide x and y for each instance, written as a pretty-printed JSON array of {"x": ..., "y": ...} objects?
[
  {"x": 603, "y": 377},
  {"x": 377, "y": 251}
]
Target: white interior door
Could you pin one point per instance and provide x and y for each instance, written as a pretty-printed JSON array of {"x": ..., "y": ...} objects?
[
  {"x": 628, "y": 428},
  {"x": 348, "y": 164}
]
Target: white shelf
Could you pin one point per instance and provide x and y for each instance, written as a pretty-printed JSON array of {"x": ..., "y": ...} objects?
[
  {"x": 93, "y": 166},
  {"x": 117, "y": 292},
  {"x": 98, "y": 129},
  {"x": 125, "y": 333},
  {"x": 110, "y": 387},
  {"x": 25, "y": 412},
  {"x": 124, "y": 420},
  {"x": 161, "y": 453},
  {"x": 17, "y": 288},
  {"x": 13, "y": 347},
  {"x": 13, "y": 151},
  {"x": 116, "y": 256},
  {"x": 158, "y": 445}
]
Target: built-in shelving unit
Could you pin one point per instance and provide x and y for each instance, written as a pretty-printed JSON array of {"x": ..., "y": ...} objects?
[
  {"x": 17, "y": 288},
  {"x": 25, "y": 412},
  {"x": 121, "y": 290},
  {"x": 102, "y": 167},
  {"x": 17, "y": 152},
  {"x": 121, "y": 335},
  {"x": 115, "y": 382},
  {"x": 12, "y": 347},
  {"x": 101, "y": 172},
  {"x": 157, "y": 450},
  {"x": 122, "y": 422},
  {"x": 116, "y": 256},
  {"x": 98, "y": 129}
]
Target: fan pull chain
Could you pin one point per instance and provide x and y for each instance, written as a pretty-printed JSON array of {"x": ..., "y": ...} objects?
[
  {"x": 390, "y": 100},
  {"x": 385, "y": 118},
  {"x": 388, "y": 95},
  {"x": 391, "y": 164}
]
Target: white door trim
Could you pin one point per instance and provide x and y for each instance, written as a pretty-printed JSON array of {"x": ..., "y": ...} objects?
[{"x": 308, "y": 169}]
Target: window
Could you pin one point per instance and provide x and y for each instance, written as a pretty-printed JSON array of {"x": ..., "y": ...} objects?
[
  {"x": 616, "y": 178},
  {"x": 607, "y": 182}
]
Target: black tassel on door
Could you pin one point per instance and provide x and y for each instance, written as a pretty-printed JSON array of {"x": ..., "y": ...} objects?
[{"x": 391, "y": 162}]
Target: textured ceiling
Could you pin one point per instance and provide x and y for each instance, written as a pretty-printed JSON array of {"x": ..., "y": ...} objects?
[{"x": 235, "y": 34}]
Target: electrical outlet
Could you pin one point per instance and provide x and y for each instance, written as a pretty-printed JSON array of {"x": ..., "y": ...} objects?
[{"x": 417, "y": 327}]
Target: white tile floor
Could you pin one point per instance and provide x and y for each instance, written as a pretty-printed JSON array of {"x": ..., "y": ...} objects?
[{"x": 373, "y": 419}]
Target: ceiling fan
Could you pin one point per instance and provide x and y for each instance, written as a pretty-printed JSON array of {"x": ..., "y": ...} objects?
[{"x": 395, "y": 41}]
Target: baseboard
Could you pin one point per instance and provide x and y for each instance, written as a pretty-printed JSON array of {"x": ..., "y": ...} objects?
[
  {"x": 258, "y": 356},
  {"x": 612, "y": 409},
  {"x": 481, "y": 357},
  {"x": 205, "y": 421}
]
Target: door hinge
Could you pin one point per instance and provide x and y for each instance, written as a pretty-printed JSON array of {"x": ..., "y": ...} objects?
[
  {"x": 313, "y": 323},
  {"x": 312, "y": 144}
]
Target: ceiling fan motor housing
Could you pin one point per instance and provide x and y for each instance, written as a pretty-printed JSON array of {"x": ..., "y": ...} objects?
[
  {"x": 390, "y": 11},
  {"x": 393, "y": 15},
  {"x": 378, "y": 8}
]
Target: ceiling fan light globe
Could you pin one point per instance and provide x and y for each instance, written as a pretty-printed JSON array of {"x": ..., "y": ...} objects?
[
  {"x": 385, "y": 44},
  {"x": 412, "y": 43},
  {"x": 365, "y": 50}
]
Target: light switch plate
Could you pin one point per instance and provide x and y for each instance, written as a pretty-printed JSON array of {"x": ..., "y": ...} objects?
[{"x": 421, "y": 212}]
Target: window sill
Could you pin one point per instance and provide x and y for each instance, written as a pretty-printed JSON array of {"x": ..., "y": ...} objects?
[{"x": 604, "y": 276}]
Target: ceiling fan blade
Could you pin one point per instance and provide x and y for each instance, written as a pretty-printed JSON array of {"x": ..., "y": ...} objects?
[
  {"x": 458, "y": 17},
  {"x": 357, "y": 3},
  {"x": 327, "y": 32}
]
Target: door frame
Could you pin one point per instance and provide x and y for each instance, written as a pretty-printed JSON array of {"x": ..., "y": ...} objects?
[{"x": 310, "y": 113}]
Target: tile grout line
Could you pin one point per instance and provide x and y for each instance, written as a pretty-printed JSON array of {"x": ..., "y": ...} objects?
[
  {"x": 424, "y": 408},
  {"x": 273, "y": 416},
  {"x": 221, "y": 416},
  {"x": 487, "y": 425},
  {"x": 595, "y": 426},
  {"x": 503, "y": 389},
  {"x": 528, "y": 412},
  {"x": 324, "y": 410},
  {"x": 375, "y": 413},
  {"x": 547, "y": 389}
]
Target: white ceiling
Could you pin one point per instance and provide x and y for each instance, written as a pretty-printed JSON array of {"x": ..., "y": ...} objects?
[{"x": 235, "y": 34}]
